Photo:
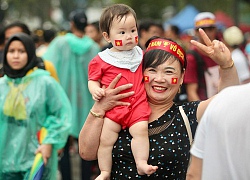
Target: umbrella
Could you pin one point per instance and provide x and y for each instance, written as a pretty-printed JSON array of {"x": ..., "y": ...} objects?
[{"x": 38, "y": 165}]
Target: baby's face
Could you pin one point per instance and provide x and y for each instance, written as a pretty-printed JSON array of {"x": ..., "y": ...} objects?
[{"x": 123, "y": 33}]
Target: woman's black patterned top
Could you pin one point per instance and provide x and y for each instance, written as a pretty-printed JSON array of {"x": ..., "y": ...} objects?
[{"x": 169, "y": 147}]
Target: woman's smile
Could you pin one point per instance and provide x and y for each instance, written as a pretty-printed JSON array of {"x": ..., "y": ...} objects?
[{"x": 159, "y": 88}]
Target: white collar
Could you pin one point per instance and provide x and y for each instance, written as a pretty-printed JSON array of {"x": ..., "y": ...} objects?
[{"x": 125, "y": 59}]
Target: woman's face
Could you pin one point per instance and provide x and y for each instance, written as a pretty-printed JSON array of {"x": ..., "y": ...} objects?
[
  {"x": 16, "y": 55},
  {"x": 162, "y": 83}
]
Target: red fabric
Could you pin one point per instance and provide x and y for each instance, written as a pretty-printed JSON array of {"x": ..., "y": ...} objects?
[
  {"x": 168, "y": 46},
  {"x": 139, "y": 109}
]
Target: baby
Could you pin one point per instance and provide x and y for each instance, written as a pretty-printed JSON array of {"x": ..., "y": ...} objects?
[{"x": 119, "y": 27}]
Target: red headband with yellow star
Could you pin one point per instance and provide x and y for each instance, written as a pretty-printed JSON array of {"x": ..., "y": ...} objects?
[{"x": 168, "y": 46}]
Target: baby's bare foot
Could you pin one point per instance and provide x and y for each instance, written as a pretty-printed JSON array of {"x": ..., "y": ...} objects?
[{"x": 146, "y": 169}]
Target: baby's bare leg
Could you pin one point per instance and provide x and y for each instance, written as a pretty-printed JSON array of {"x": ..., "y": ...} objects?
[
  {"x": 109, "y": 136},
  {"x": 140, "y": 147}
]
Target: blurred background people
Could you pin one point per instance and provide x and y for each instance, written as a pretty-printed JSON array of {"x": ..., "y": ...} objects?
[
  {"x": 202, "y": 74},
  {"x": 30, "y": 100},
  {"x": 71, "y": 54},
  {"x": 47, "y": 36},
  {"x": 233, "y": 38},
  {"x": 93, "y": 31},
  {"x": 247, "y": 46},
  {"x": 37, "y": 36},
  {"x": 16, "y": 27},
  {"x": 2, "y": 39},
  {"x": 173, "y": 32},
  {"x": 147, "y": 29}
]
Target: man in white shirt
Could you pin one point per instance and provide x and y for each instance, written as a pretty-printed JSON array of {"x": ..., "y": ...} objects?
[{"x": 221, "y": 148}]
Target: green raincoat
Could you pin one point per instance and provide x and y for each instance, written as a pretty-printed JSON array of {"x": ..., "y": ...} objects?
[
  {"x": 28, "y": 104},
  {"x": 71, "y": 56}
]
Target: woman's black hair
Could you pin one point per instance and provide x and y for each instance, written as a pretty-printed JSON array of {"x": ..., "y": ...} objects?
[
  {"x": 30, "y": 48},
  {"x": 156, "y": 57}
]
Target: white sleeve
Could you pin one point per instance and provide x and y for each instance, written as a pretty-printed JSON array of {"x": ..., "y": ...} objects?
[{"x": 200, "y": 137}]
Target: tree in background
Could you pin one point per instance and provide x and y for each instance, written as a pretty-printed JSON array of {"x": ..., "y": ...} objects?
[{"x": 155, "y": 9}]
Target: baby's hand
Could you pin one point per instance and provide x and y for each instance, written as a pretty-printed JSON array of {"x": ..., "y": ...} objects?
[{"x": 98, "y": 94}]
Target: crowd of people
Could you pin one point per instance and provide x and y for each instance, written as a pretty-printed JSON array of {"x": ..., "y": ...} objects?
[{"x": 126, "y": 96}]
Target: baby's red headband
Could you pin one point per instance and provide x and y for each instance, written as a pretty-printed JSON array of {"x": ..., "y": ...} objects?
[{"x": 168, "y": 46}]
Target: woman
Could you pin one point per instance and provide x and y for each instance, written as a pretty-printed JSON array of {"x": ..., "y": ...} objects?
[
  {"x": 164, "y": 67},
  {"x": 30, "y": 100}
]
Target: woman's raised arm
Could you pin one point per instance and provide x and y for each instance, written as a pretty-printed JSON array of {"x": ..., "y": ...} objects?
[
  {"x": 217, "y": 51},
  {"x": 89, "y": 137}
]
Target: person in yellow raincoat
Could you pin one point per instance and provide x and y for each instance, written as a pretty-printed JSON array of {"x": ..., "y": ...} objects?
[{"x": 30, "y": 99}]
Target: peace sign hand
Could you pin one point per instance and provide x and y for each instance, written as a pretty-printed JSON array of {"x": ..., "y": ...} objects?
[{"x": 215, "y": 49}]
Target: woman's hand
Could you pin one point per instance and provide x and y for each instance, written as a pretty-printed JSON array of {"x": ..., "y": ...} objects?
[
  {"x": 112, "y": 97},
  {"x": 215, "y": 49},
  {"x": 45, "y": 150},
  {"x": 89, "y": 137}
]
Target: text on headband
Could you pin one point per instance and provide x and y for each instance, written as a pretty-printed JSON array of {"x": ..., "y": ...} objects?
[{"x": 168, "y": 46}]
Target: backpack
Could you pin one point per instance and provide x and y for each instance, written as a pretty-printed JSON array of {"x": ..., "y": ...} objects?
[{"x": 182, "y": 97}]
